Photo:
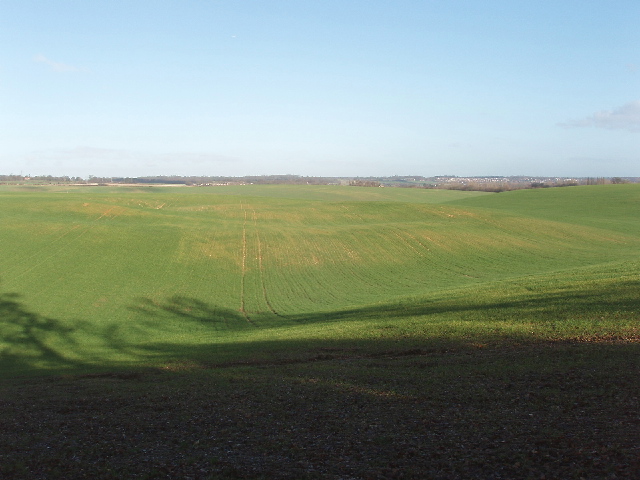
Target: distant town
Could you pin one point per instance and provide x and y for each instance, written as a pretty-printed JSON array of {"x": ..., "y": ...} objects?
[{"x": 453, "y": 182}]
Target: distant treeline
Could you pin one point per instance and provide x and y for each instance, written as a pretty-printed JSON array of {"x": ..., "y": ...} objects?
[
  {"x": 491, "y": 184},
  {"x": 486, "y": 183},
  {"x": 205, "y": 180},
  {"x": 173, "y": 180},
  {"x": 40, "y": 179}
]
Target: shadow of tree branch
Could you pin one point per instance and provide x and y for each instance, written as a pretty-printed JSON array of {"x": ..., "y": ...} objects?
[
  {"x": 30, "y": 341},
  {"x": 25, "y": 334},
  {"x": 622, "y": 297},
  {"x": 192, "y": 309}
]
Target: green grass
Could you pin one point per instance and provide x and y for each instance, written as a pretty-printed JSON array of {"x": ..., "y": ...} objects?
[
  {"x": 611, "y": 207},
  {"x": 318, "y": 332},
  {"x": 124, "y": 277}
]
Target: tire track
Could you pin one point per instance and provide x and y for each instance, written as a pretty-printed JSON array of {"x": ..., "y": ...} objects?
[
  {"x": 408, "y": 244},
  {"x": 261, "y": 267},
  {"x": 243, "y": 274}
]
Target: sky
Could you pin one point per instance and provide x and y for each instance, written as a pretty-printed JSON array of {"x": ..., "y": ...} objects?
[{"x": 320, "y": 87}]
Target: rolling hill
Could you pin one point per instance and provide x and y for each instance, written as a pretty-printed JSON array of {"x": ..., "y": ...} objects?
[{"x": 109, "y": 277}]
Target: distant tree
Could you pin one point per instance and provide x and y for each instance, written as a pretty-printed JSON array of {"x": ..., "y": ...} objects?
[
  {"x": 364, "y": 183},
  {"x": 618, "y": 180},
  {"x": 594, "y": 181}
]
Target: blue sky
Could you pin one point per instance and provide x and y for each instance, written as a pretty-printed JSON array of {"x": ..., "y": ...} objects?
[{"x": 320, "y": 87}]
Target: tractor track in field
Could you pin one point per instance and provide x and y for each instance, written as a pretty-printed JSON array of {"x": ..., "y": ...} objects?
[
  {"x": 244, "y": 267},
  {"x": 261, "y": 267},
  {"x": 404, "y": 241},
  {"x": 243, "y": 309},
  {"x": 415, "y": 239}
]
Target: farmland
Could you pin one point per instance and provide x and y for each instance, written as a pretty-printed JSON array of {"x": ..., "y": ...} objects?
[{"x": 209, "y": 286}]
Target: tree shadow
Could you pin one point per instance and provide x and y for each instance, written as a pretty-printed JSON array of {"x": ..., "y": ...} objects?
[
  {"x": 25, "y": 336},
  {"x": 602, "y": 312},
  {"x": 193, "y": 310},
  {"x": 622, "y": 298},
  {"x": 32, "y": 342}
]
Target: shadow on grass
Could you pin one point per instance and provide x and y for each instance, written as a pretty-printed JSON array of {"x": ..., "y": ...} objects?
[
  {"x": 31, "y": 342},
  {"x": 192, "y": 310},
  {"x": 24, "y": 335},
  {"x": 623, "y": 296}
]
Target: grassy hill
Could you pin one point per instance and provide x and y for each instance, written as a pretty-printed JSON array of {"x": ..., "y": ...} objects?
[
  {"x": 613, "y": 207},
  {"x": 141, "y": 276},
  {"x": 302, "y": 332}
]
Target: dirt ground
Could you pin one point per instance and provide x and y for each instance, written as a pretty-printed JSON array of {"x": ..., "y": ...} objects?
[{"x": 565, "y": 412}]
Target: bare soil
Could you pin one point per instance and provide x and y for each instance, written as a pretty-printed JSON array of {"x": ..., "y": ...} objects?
[{"x": 546, "y": 411}]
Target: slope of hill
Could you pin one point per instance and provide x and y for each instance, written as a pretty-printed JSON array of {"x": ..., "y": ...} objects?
[
  {"x": 315, "y": 333},
  {"x": 115, "y": 276},
  {"x": 614, "y": 207}
]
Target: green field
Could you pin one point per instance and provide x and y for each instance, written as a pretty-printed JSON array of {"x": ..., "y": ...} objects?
[
  {"x": 104, "y": 277},
  {"x": 312, "y": 332}
]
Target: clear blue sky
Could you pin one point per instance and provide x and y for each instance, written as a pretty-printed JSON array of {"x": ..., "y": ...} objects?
[{"x": 320, "y": 87}]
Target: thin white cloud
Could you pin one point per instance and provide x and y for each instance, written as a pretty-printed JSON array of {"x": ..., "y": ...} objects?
[
  {"x": 56, "y": 66},
  {"x": 626, "y": 117},
  {"x": 80, "y": 153},
  {"x": 192, "y": 157},
  {"x": 85, "y": 153},
  {"x": 83, "y": 161}
]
